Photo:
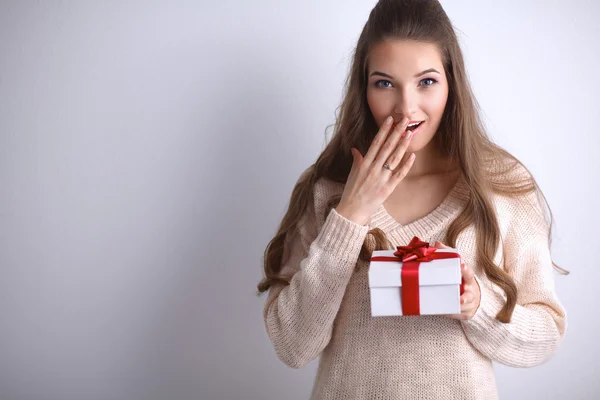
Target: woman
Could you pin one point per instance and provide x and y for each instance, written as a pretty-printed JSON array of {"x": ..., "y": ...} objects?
[{"x": 410, "y": 157}]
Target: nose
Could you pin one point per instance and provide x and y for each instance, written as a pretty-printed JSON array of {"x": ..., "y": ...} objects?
[{"x": 406, "y": 104}]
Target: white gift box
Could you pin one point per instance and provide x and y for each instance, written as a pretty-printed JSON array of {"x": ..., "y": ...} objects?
[{"x": 439, "y": 285}]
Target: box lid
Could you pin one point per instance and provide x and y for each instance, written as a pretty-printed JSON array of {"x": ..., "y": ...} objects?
[{"x": 437, "y": 272}]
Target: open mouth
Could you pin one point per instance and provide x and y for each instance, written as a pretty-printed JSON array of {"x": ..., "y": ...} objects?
[
  {"x": 415, "y": 126},
  {"x": 411, "y": 127}
]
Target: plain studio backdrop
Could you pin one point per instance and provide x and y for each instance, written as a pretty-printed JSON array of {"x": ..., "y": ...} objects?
[{"x": 148, "y": 151}]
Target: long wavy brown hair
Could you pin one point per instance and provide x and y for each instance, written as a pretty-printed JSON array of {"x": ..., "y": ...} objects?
[{"x": 461, "y": 137}]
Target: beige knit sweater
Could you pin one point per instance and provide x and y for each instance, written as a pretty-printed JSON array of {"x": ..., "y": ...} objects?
[{"x": 325, "y": 311}]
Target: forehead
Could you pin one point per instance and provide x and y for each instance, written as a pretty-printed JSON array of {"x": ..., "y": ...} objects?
[{"x": 404, "y": 56}]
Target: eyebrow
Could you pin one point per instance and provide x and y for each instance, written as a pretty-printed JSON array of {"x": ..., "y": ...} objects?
[{"x": 416, "y": 76}]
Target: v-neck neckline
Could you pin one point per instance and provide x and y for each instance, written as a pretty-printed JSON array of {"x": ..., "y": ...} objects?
[{"x": 422, "y": 226}]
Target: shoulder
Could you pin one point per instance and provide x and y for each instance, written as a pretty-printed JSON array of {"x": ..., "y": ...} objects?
[
  {"x": 505, "y": 169},
  {"x": 518, "y": 202}
]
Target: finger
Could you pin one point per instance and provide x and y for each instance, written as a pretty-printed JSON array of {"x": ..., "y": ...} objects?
[
  {"x": 468, "y": 310},
  {"x": 356, "y": 158},
  {"x": 398, "y": 150},
  {"x": 466, "y": 298},
  {"x": 401, "y": 172},
  {"x": 440, "y": 245},
  {"x": 386, "y": 153},
  {"x": 467, "y": 274},
  {"x": 379, "y": 140}
]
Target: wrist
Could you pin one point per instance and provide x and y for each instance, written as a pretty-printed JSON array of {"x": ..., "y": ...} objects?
[{"x": 357, "y": 219}]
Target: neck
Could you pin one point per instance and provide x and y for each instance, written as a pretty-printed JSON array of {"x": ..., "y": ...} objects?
[{"x": 429, "y": 161}]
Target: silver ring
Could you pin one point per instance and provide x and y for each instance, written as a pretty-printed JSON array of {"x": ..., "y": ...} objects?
[{"x": 387, "y": 166}]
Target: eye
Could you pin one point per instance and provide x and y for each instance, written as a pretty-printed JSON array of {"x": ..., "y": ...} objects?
[
  {"x": 378, "y": 83},
  {"x": 433, "y": 81}
]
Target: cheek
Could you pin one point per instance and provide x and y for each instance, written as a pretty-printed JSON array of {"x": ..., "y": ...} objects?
[
  {"x": 381, "y": 105},
  {"x": 438, "y": 104}
]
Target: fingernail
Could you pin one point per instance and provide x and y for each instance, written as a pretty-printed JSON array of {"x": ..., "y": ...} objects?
[{"x": 389, "y": 120}]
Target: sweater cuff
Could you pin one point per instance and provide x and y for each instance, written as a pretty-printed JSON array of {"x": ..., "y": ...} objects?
[
  {"x": 339, "y": 233},
  {"x": 342, "y": 238}
]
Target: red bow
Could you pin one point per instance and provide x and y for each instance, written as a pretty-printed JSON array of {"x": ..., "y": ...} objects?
[{"x": 417, "y": 250}]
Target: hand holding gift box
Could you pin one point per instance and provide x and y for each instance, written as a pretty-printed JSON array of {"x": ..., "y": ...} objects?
[
  {"x": 470, "y": 292},
  {"x": 419, "y": 279}
]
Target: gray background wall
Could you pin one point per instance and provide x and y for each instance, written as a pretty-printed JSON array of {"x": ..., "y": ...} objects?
[{"x": 148, "y": 151}]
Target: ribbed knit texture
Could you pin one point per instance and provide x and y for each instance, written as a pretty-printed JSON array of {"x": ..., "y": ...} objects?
[{"x": 325, "y": 311}]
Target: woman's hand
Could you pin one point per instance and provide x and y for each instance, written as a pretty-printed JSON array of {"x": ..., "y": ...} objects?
[
  {"x": 369, "y": 184},
  {"x": 471, "y": 297}
]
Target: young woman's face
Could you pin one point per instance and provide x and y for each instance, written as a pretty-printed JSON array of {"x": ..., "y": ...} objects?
[{"x": 407, "y": 79}]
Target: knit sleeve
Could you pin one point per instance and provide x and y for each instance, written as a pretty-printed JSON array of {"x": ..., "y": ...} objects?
[
  {"x": 538, "y": 323},
  {"x": 299, "y": 317}
]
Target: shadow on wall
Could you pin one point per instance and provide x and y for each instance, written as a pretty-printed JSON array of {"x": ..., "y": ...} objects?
[{"x": 206, "y": 332}]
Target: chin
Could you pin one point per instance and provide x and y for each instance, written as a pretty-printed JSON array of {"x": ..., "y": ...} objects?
[{"x": 417, "y": 145}]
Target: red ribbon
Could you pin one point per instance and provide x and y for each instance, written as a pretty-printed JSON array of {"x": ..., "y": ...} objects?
[{"x": 411, "y": 257}]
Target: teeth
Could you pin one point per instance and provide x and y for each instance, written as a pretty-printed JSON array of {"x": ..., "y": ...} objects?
[{"x": 415, "y": 124}]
